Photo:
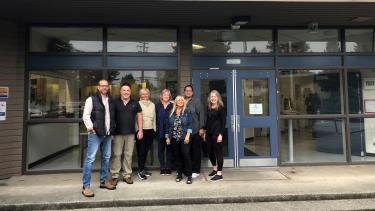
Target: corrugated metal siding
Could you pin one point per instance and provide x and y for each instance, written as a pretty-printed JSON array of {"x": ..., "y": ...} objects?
[
  {"x": 12, "y": 75},
  {"x": 186, "y": 12}
]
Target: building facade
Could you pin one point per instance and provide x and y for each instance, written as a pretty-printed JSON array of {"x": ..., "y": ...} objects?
[{"x": 297, "y": 78}]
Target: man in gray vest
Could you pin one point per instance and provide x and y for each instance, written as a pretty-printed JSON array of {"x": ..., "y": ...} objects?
[{"x": 98, "y": 116}]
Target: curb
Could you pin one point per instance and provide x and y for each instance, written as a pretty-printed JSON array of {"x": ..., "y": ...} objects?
[{"x": 184, "y": 201}]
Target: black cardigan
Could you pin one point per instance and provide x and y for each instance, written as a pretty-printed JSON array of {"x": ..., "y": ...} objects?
[{"x": 216, "y": 120}]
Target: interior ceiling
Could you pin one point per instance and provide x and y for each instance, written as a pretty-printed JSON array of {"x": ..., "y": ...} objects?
[{"x": 195, "y": 13}]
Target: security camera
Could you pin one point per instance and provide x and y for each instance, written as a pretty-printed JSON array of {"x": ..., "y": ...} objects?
[{"x": 313, "y": 26}]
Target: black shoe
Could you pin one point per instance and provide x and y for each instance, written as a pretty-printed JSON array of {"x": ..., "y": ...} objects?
[
  {"x": 168, "y": 172},
  {"x": 213, "y": 173},
  {"x": 146, "y": 173},
  {"x": 162, "y": 172},
  {"x": 189, "y": 180},
  {"x": 179, "y": 178},
  {"x": 141, "y": 175},
  {"x": 217, "y": 178}
]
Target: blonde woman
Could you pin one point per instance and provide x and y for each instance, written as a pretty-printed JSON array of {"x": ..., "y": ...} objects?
[
  {"x": 215, "y": 128},
  {"x": 149, "y": 128},
  {"x": 165, "y": 152},
  {"x": 180, "y": 128}
]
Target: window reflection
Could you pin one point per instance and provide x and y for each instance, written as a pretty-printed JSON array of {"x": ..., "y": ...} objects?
[
  {"x": 361, "y": 91},
  {"x": 310, "y": 92},
  {"x": 301, "y": 41},
  {"x": 60, "y": 94},
  {"x": 361, "y": 139},
  {"x": 359, "y": 40},
  {"x": 53, "y": 39},
  {"x": 142, "y": 40},
  {"x": 232, "y": 41}
]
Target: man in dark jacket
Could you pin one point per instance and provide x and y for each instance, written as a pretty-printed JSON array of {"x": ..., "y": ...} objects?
[{"x": 98, "y": 116}]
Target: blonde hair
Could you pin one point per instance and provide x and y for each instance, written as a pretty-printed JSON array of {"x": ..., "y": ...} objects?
[
  {"x": 175, "y": 104},
  {"x": 145, "y": 90},
  {"x": 165, "y": 91},
  {"x": 219, "y": 100}
]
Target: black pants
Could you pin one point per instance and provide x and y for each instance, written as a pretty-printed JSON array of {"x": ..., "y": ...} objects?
[
  {"x": 182, "y": 157},
  {"x": 196, "y": 152},
  {"x": 215, "y": 151},
  {"x": 143, "y": 146},
  {"x": 165, "y": 163}
]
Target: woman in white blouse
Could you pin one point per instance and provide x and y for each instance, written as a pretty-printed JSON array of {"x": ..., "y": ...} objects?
[{"x": 149, "y": 128}]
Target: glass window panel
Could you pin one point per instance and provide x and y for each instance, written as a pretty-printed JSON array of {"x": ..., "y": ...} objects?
[
  {"x": 60, "y": 94},
  {"x": 362, "y": 136},
  {"x": 255, "y": 95},
  {"x": 359, "y": 40},
  {"x": 361, "y": 91},
  {"x": 310, "y": 92},
  {"x": 69, "y": 39},
  {"x": 232, "y": 41},
  {"x": 142, "y": 40},
  {"x": 52, "y": 146},
  {"x": 312, "y": 140},
  {"x": 301, "y": 41},
  {"x": 257, "y": 142},
  {"x": 155, "y": 81}
]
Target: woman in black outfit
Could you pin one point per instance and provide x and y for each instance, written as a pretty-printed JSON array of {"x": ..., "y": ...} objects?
[{"x": 215, "y": 127}]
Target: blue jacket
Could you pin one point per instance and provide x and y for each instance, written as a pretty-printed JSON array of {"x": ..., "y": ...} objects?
[
  {"x": 186, "y": 122},
  {"x": 162, "y": 116}
]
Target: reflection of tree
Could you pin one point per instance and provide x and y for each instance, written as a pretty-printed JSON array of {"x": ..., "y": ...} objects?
[
  {"x": 293, "y": 47},
  {"x": 58, "y": 45},
  {"x": 332, "y": 46}
]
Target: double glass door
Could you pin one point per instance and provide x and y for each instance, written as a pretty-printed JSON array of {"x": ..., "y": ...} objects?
[{"x": 250, "y": 101}]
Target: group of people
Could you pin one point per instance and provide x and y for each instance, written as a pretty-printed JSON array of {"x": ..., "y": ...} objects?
[{"x": 182, "y": 127}]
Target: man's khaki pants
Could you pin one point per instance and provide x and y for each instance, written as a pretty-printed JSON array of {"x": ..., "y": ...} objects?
[{"x": 122, "y": 144}]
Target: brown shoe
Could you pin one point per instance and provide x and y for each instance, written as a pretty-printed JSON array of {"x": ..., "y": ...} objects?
[
  {"x": 114, "y": 181},
  {"x": 107, "y": 185},
  {"x": 128, "y": 180},
  {"x": 88, "y": 192}
]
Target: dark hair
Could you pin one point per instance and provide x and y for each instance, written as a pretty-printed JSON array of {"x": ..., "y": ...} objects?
[
  {"x": 126, "y": 84},
  {"x": 102, "y": 80},
  {"x": 189, "y": 86}
]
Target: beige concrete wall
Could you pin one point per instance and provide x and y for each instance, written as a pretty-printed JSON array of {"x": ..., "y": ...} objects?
[{"x": 12, "y": 54}]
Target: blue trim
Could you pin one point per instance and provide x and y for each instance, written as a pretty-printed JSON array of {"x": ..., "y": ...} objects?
[
  {"x": 309, "y": 61},
  {"x": 142, "y": 61},
  {"x": 360, "y": 61},
  {"x": 53, "y": 61},
  {"x": 221, "y": 61}
]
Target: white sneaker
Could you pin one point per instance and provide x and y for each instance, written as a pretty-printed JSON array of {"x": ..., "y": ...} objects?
[{"x": 195, "y": 175}]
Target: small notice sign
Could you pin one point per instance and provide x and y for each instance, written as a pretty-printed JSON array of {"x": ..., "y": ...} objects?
[
  {"x": 4, "y": 92},
  {"x": 256, "y": 108},
  {"x": 3, "y": 109},
  {"x": 233, "y": 61}
]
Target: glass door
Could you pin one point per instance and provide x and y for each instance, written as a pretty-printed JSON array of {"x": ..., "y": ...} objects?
[
  {"x": 256, "y": 117},
  {"x": 203, "y": 83}
]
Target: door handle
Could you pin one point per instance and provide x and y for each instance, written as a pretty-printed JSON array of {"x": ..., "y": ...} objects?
[
  {"x": 238, "y": 123},
  {"x": 232, "y": 122}
]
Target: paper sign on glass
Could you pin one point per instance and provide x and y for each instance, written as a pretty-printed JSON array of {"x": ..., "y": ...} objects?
[
  {"x": 3, "y": 108},
  {"x": 370, "y": 106},
  {"x": 256, "y": 108}
]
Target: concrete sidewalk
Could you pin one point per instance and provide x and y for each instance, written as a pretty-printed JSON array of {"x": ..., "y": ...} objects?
[{"x": 63, "y": 191}]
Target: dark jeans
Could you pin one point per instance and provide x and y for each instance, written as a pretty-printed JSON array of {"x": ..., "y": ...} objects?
[
  {"x": 165, "y": 163},
  {"x": 143, "y": 146},
  {"x": 196, "y": 152},
  {"x": 182, "y": 157},
  {"x": 215, "y": 151}
]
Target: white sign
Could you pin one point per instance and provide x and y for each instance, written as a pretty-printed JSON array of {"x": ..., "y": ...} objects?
[
  {"x": 3, "y": 110},
  {"x": 233, "y": 61},
  {"x": 256, "y": 108}
]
